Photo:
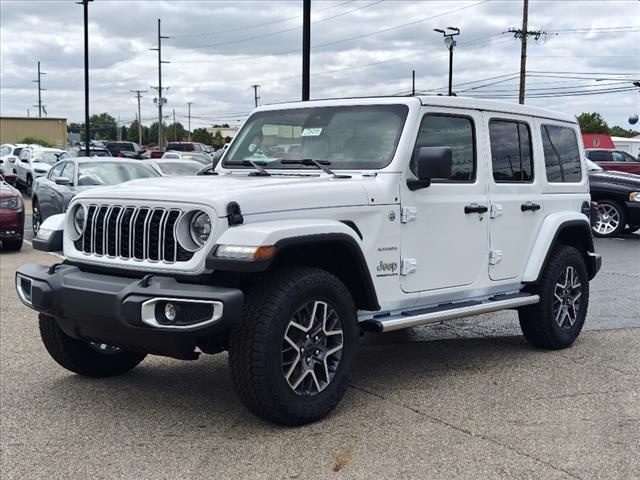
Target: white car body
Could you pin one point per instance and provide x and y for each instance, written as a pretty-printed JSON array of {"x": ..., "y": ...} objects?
[
  {"x": 400, "y": 229},
  {"x": 29, "y": 167},
  {"x": 10, "y": 155}
]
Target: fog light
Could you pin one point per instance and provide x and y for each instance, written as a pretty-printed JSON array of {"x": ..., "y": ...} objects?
[{"x": 170, "y": 312}]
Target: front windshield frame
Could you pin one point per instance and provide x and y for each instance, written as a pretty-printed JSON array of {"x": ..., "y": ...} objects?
[{"x": 253, "y": 128}]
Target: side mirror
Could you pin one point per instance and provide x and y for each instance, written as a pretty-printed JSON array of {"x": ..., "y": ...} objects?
[
  {"x": 432, "y": 163},
  {"x": 63, "y": 181},
  {"x": 217, "y": 156}
]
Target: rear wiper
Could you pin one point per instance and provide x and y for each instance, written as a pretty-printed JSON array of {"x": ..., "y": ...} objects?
[
  {"x": 261, "y": 172},
  {"x": 321, "y": 164}
]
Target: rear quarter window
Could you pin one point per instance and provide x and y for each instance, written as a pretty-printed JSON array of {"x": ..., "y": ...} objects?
[{"x": 561, "y": 154}]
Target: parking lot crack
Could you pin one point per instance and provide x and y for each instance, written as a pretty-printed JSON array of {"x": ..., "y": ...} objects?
[{"x": 468, "y": 432}]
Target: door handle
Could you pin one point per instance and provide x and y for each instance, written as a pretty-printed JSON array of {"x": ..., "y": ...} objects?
[
  {"x": 475, "y": 208},
  {"x": 529, "y": 206}
]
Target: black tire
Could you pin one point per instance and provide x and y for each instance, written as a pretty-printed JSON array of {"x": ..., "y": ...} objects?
[
  {"x": 36, "y": 216},
  {"x": 538, "y": 322},
  {"x": 256, "y": 355},
  {"x": 12, "y": 245},
  {"x": 81, "y": 357},
  {"x": 612, "y": 206},
  {"x": 29, "y": 185}
]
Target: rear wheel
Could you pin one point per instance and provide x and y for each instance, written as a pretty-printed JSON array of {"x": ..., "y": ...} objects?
[
  {"x": 295, "y": 349},
  {"x": 611, "y": 219},
  {"x": 556, "y": 321},
  {"x": 85, "y": 358}
]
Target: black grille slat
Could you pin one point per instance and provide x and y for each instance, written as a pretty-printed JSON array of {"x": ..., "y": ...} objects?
[{"x": 126, "y": 232}]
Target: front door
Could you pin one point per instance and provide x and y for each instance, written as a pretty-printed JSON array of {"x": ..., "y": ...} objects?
[
  {"x": 515, "y": 191},
  {"x": 445, "y": 226}
]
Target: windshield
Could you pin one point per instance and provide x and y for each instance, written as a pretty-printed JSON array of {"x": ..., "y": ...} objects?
[
  {"x": 121, "y": 147},
  {"x": 49, "y": 157},
  {"x": 181, "y": 147},
  {"x": 592, "y": 167},
  {"x": 359, "y": 137},
  {"x": 112, "y": 173},
  {"x": 179, "y": 168}
]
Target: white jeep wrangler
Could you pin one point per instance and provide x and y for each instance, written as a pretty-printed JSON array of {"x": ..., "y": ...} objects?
[{"x": 322, "y": 220}]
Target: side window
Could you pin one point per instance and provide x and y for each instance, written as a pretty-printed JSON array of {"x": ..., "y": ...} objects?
[
  {"x": 56, "y": 171},
  {"x": 622, "y": 157},
  {"x": 5, "y": 150},
  {"x": 599, "y": 156},
  {"x": 68, "y": 171},
  {"x": 511, "y": 151},
  {"x": 456, "y": 133},
  {"x": 561, "y": 154}
]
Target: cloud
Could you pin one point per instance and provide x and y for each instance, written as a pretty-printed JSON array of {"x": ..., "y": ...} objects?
[{"x": 219, "y": 49}]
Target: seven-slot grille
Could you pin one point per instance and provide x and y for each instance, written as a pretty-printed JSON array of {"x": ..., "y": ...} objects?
[{"x": 126, "y": 232}]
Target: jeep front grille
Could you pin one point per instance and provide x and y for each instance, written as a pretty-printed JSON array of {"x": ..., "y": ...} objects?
[{"x": 126, "y": 232}]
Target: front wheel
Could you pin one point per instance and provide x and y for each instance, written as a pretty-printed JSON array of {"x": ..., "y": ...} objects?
[
  {"x": 293, "y": 353},
  {"x": 85, "y": 358},
  {"x": 556, "y": 321},
  {"x": 36, "y": 217}
]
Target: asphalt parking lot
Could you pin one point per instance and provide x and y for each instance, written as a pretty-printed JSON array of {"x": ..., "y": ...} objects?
[{"x": 466, "y": 399}]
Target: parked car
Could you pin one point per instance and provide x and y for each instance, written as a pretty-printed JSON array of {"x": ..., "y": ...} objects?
[
  {"x": 53, "y": 192},
  {"x": 11, "y": 217},
  {"x": 93, "y": 152},
  {"x": 7, "y": 175},
  {"x": 398, "y": 212},
  {"x": 176, "y": 168},
  {"x": 617, "y": 160},
  {"x": 185, "y": 147},
  {"x": 36, "y": 162},
  {"x": 202, "y": 158},
  {"x": 10, "y": 154},
  {"x": 618, "y": 197},
  {"x": 126, "y": 150}
]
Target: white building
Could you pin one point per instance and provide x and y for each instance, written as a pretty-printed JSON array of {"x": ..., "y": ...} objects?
[{"x": 629, "y": 145}]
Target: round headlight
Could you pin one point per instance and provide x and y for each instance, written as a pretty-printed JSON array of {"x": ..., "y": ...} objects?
[
  {"x": 79, "y": 218},
  {"x": 200, "y": 228}
]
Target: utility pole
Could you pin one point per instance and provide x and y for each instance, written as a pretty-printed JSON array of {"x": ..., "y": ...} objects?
[
  {"x": 175, "y": 131},
  {"x": 87, "y": 127},
  {"x": 255, "y": 94},
  {"x": 413, "y": 83},
  {"x": 523, "y": 34},
  {"x": 189, "y": 118},
  {"x": 160, "y": 100},
  {"x": 39, "y": 90},
  {"x": 139, "y": 96},
  {"x": 306, "y": 48},
  {"x": 450, "y": 43}
]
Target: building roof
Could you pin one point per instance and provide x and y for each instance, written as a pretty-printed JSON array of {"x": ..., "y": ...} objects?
[{"x": 33, "y": 118}]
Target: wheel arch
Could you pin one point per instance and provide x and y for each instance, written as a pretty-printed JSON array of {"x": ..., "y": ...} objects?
[
  {"x": 328, "y": 244},
  {"x": 565, "y": 229}
]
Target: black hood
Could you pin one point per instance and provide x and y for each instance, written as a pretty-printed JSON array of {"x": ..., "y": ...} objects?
[{"x": 621, "y": 179}]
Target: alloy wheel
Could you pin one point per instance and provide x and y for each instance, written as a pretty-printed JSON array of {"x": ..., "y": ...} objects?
[
  {"x": 567, "y": 298},
  {"x": 312, "y": 348},
  {"x": 36, "y": 219},
  {"x": 608, "y": 219}
]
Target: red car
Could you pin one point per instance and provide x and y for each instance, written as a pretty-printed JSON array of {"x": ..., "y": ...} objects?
[
  {"x": 11, "y": 217},
  {"x": 616, "y": 160}
]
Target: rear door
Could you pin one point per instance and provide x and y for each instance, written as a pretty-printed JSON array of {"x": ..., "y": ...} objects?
[{"x": 515, "y": 194}]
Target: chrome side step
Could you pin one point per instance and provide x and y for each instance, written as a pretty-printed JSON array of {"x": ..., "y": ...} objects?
[{"x": 449, "y": 311}]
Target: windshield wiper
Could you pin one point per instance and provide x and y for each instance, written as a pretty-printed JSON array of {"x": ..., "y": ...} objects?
[
  {"x": 261, "y": 172},
  {"x": 321, "y": 164}
]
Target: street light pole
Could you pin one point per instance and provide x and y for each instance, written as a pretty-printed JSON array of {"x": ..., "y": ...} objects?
[
  {"x": 306, "y": 49},
  {"x": 87, "y": 127},
  {"x": 450, "y": 43}
]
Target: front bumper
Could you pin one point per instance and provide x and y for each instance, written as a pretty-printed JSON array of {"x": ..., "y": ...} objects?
[
  {"x": 114, "y": 310},
  {"x": 633, "y": 213}
]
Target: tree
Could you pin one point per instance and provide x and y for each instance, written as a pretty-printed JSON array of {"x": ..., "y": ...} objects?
[
  {"x": 201, "y": 135},
  {"x": 153, "y": 134},
  {"x": 175, "y": 132},
  {"x": 618, "y": 131},
  {"x": 218, "y": 140},
  {"x": 132, "y": 134},
  {"x": 592, "y": 123},
  {"x": 103, "y": 126}
]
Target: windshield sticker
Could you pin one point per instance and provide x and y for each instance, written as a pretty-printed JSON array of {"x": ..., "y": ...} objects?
[{"x": 311, "y": 132}]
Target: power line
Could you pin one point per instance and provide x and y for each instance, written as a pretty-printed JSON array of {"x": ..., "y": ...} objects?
[{"x": 250, "y": 27}]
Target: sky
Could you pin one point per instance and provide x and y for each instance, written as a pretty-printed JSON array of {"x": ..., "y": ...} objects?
[{"x": 219, "y": 49}]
